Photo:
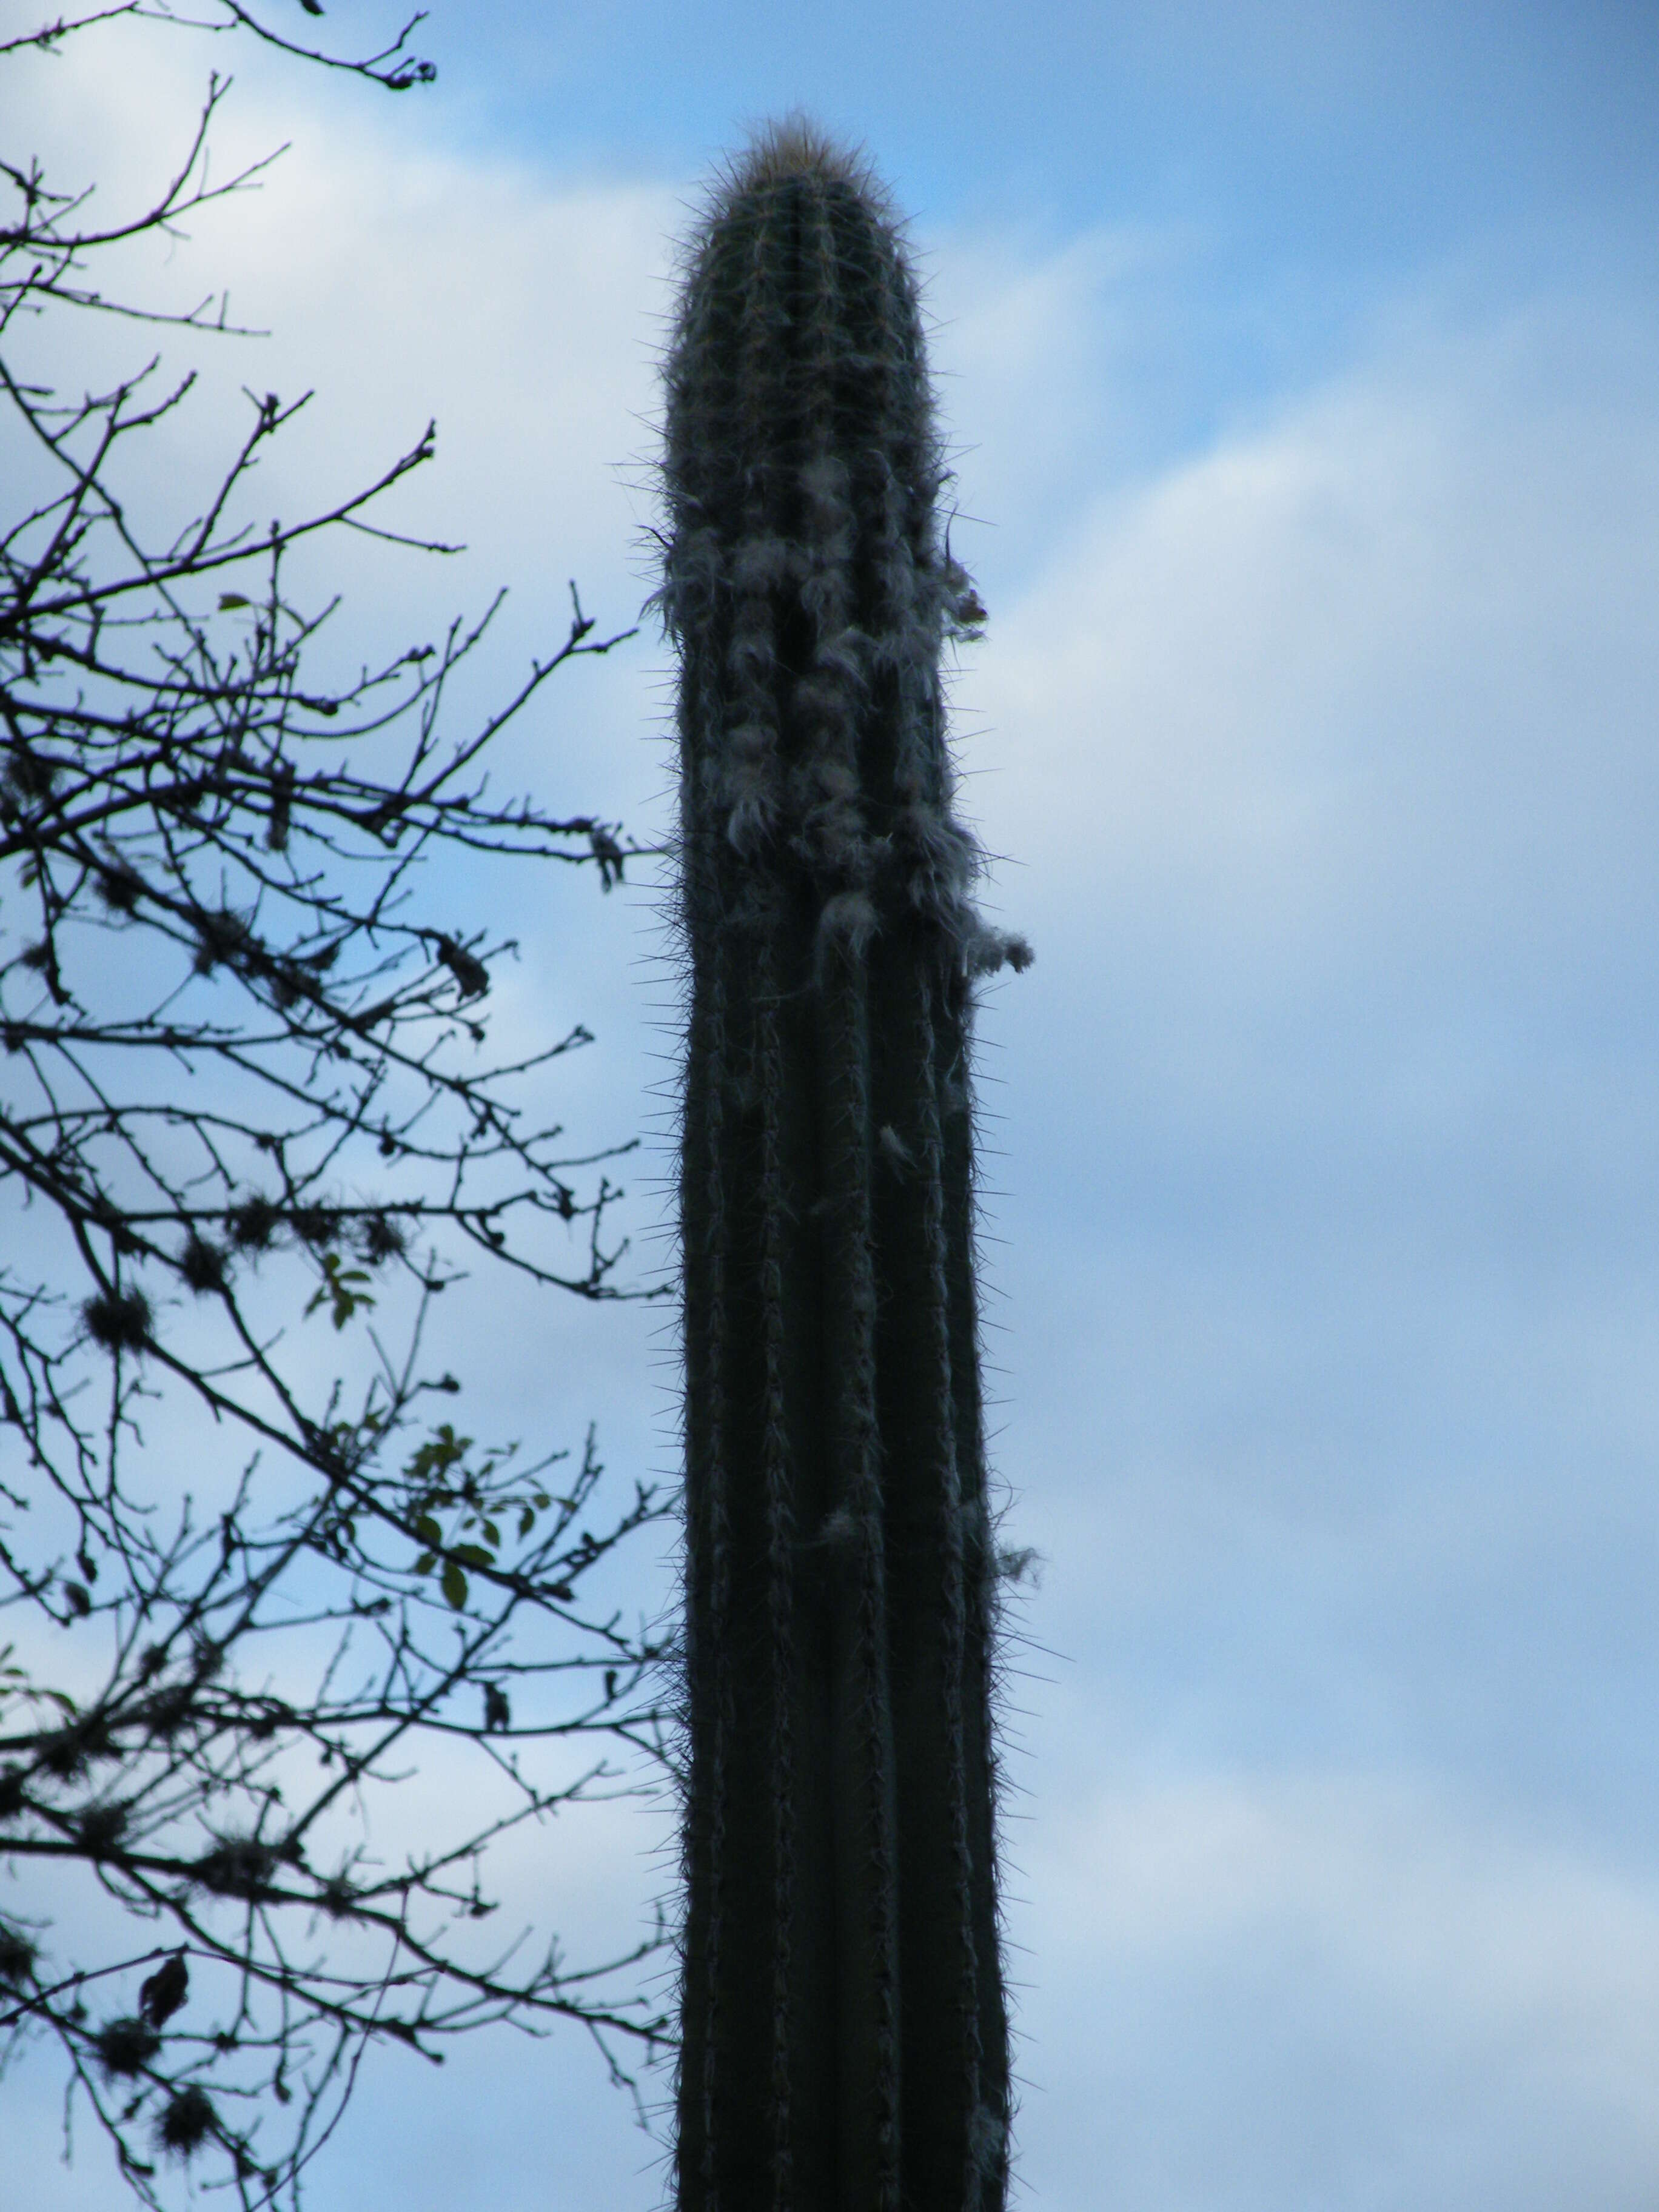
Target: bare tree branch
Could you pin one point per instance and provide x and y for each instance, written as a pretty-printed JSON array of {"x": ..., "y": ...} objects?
[{"x": 247, "y": 1109}]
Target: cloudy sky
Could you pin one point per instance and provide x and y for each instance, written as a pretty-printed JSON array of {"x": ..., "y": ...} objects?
[{"x": 1299, "y": 357}]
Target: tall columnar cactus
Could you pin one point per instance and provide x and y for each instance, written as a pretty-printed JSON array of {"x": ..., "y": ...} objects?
[{"x": 845, "y": 2036}]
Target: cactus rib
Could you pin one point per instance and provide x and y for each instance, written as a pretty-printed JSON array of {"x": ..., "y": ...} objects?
[{"x": 844, "y": 2026}]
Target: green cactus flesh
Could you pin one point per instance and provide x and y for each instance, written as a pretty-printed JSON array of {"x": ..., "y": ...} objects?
[{"x": 844, "y": 2028}]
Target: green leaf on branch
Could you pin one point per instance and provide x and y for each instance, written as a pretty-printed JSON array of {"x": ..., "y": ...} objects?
[
  {"x": 339, "y": 1288},
  {"x": 439, "y": 1453},
  {"x": 454, "y": 1584}
]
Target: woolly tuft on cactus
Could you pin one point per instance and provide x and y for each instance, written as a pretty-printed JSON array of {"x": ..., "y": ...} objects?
[{"x": 844, "y": 2027}]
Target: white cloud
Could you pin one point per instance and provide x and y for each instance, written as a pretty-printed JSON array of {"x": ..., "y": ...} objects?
[
  {"x": 1037, "y": 345},
  {"x": 1390, "y": 635},
  {"x": 401, "y": 283},
  {"x": 1324, "y": 765},
  {"x": 1220, "y": 1957}
]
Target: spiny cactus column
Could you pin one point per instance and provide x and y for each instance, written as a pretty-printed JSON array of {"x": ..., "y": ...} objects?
[{"x": 845, "y": 2037}]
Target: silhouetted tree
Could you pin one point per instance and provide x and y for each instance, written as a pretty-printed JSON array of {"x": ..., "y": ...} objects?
[{"x": 247, "y": 1121}]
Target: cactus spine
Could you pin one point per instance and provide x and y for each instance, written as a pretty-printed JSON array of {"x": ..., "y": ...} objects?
[{"x": 844, "y": 2030}]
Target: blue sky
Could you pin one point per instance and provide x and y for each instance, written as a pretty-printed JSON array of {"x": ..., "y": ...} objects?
[{"x": 1301, "y": 360}]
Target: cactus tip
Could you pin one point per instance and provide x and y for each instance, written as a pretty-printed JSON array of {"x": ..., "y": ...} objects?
[{"x": 794, "y": 145}]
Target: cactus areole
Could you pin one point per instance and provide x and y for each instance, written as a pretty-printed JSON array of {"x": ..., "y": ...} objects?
[{"x": 844, "y": 2030}]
